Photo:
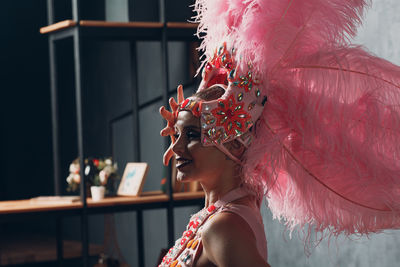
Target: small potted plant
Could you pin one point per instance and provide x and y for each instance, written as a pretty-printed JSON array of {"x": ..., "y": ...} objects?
[{"x": 100, "y": 173}]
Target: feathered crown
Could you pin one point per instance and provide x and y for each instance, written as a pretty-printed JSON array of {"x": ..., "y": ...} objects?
[{"x": 326, "y": 148}]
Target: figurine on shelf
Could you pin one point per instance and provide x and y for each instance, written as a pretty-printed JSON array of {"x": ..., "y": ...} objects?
[
  {"x": 291, "y": 111},
  {"x": 100, "y": 173}
]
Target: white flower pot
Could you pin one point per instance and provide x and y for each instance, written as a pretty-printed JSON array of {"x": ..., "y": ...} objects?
[{"x": 97, "y": 192}]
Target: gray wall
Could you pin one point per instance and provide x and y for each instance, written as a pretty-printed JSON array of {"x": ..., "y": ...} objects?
[{"x": 380, "y": 34}]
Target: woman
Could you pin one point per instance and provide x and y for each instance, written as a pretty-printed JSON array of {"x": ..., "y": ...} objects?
[
  {"x": 317, "y": 118},
  {"x": 233, "y": 233}
]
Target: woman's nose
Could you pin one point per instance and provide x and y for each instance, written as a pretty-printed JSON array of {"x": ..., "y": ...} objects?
[{"x": 178, "y": 146}]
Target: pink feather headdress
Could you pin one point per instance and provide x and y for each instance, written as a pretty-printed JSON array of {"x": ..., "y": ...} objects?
[{"x": 326, "y": 148}]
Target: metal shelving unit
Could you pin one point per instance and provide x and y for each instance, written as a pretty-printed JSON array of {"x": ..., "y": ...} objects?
[{"x": 80, "y": 30}]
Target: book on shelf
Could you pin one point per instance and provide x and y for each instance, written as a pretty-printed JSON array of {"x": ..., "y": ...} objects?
[{"x": 55, "y": 199}]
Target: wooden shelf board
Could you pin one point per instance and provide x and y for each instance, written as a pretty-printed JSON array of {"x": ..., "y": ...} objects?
[
  {"x": 26, "y": 205},
  {"x": 112, "y": 24},
  {"x": 36, "y": 248},
  {"x": 188, "y": 195},
  {"x": 58, "y": 26},
  {"x": 182, "y": 25}
]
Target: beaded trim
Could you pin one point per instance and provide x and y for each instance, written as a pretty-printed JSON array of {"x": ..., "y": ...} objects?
[{"x": 188, "y": 240}]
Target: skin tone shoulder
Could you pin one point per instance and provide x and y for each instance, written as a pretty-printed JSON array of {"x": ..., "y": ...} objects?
[{"x": 227, "y": 238}]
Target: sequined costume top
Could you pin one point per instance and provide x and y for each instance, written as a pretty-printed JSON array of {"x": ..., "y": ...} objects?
[{"x": 186, "y": 249}]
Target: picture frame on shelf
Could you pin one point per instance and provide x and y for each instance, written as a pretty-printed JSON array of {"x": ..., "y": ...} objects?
[{"x": 133, "y": 179}]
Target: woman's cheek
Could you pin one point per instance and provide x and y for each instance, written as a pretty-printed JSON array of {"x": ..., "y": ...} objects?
[{"x": 193, "y": 145}]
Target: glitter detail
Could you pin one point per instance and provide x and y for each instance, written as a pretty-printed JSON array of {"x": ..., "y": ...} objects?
[
  {"x": 251, "y": 106},
  {"x": 240, "y": 97}
]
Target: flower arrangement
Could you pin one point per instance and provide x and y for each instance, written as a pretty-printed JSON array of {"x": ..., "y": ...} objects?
[{"x": 99, "y": 172}]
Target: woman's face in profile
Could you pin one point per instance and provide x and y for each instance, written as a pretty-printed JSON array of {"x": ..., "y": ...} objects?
[{"x": 193, "y": 160}]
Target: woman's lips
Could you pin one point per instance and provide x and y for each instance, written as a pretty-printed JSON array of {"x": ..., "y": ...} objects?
[{"x": 180, "y": 162}]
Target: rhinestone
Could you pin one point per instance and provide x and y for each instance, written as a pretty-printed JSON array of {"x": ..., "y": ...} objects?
[
  {"x": 224, "y": 119},
  {"x": 220, "y": 50},
  {"x": 195, "y": 243},
  {"x": 183, "y": 240},
  {"x": 264, "y": 100},
  {"x": 232, "y": 74},
  {"x": 223, "y": 58},
  {"x": 189, "y": 244},
  {"x": 221, "y": 104},
  {"x": 210, "y": 121},
  {"x": 249, "y": 123},
  {"x": 188, "y": 233},
  {"x": 220, "y": 112},
  {"x": 229, "y": 126},
  {"x": 240, "y": 97},
  {"x": 238, "y": 107},
  {"x": 251, "y": 106},
  {"x": 242, "y": 116},
  {"x": 238, "y": 124},
  {"x": 238, "y": 133},
  {"x": 258, "y": 92}
]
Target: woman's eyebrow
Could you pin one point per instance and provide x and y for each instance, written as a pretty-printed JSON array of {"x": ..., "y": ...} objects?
[{"x": 190, "y": 127}]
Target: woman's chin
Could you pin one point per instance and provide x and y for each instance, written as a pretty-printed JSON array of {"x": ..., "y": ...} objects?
[{"x": 183, "y": 178}]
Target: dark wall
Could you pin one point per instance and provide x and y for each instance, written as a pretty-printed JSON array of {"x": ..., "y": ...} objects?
[{"x": 25, "y": 107}]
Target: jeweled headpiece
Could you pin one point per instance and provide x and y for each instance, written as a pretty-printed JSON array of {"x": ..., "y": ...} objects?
[{"x": 233, "y": 114}]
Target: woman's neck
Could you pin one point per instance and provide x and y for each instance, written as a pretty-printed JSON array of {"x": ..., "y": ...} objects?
[{"x": 215, "y": 191}]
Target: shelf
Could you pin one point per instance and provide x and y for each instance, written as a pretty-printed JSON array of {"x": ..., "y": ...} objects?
[
  {"x": 122, "y": 30},
  {"x": 20, "y": 249},
  {"x": 58, "y": 26},
  {"x": 109, "y": 204}
]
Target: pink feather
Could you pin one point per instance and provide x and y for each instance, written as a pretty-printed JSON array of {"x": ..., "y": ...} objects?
[{"x": 327, "y": 145}]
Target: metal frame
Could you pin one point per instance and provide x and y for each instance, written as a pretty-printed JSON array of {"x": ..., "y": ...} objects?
[{"x": 79, "y": 33}]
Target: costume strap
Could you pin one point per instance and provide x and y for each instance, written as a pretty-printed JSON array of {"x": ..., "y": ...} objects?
[{"x": 232, "y": 195}]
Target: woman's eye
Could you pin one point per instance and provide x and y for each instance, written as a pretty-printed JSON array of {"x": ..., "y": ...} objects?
[{"x": 192, "y": 134}]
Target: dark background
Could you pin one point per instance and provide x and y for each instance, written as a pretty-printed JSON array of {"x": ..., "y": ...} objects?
[
  {"x": 26, "y": 145},
  {"x": 26, "y": 133}
]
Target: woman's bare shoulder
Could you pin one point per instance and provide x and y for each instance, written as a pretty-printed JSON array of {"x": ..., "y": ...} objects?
[{"x": 229, "y": 241}]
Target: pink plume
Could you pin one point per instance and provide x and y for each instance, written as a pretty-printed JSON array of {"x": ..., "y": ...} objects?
[{"x": 329, "y": 151}]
